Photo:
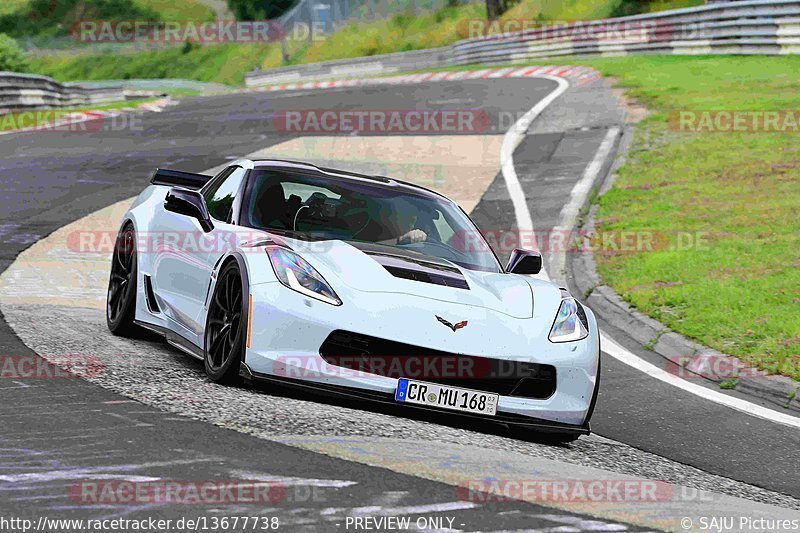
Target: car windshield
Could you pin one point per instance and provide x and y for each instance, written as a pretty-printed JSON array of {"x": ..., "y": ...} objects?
[{"x": 313, "y": 207}]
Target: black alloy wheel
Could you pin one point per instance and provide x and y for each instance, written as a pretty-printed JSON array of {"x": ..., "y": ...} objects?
[
  {"x": 121, "y": 296},
  {"x": 224, "y": 337}
]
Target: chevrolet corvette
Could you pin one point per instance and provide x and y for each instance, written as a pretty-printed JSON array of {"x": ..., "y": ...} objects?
[{"x": 361, "y": 286}]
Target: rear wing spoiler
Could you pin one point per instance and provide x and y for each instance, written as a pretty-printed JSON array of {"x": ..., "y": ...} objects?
[{"x": 172, "y": 178}]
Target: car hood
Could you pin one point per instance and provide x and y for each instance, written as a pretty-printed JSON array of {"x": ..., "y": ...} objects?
[{"x": 383, "y": 269}]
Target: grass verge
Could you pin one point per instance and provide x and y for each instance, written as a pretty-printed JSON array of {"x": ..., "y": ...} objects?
[
  {"x": 738, "y": 289},
  {"x": 223, "y": 63},
  {"x": 405, "y": 30}
]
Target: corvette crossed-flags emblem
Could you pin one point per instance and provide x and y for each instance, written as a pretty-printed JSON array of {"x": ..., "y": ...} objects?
[{"x": 454, "y": 327}]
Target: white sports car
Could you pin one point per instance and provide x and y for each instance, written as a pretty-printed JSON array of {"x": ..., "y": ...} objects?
[{"x": 357, "y": 285}]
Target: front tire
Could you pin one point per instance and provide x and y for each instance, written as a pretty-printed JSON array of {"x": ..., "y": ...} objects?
[
  {"x": 224, "y": 336},
  {"x": 122, "y": 284}
]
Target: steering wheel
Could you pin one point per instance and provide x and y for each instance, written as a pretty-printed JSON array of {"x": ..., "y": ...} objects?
[{"x": 451, "y": 251}]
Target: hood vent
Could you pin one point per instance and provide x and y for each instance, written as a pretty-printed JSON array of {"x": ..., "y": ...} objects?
[
  {"x": 425, "y": 276},
  {"x": 414, "y": 266}
]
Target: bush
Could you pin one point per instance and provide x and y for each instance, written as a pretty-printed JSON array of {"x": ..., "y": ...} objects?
[
  {"x": 259, "y": 9},
  {"x": 12, "y": 56},
  {"x": 58, "y": 17}
]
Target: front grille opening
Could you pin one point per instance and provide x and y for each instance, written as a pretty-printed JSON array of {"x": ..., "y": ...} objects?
[
  {"x": 536, "y": 387},
  {"x": 383, "y": 357}
]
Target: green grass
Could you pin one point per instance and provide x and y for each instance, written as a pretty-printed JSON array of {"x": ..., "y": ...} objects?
[
  {"x": 399, "y": 33},
  {"x": 445, "y": 26},
  {"x": 739, "y": 293},
  {"x": 179, "y": 9},
  {"x": 223, "y": 63},
  {"x": 562, "y": 10},
  {"x": 228, "y": 63}
]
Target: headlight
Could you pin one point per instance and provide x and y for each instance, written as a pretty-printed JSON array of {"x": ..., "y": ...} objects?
[
  {"x": 295, "y": 272},
  {"x": 571, "y": 323}
]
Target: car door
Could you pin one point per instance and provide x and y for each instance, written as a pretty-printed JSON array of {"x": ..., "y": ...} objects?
[{"x": 188, "y": 254}]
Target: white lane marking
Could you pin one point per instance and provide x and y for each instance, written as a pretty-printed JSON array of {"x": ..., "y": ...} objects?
[
  {"x": 557, "y": 529},
  {"x": 583, "y": 523},
  {"x": 413, "y": 509},
  {"x": 295, "y": 481},
  {"x": 511, "y": 140},
  {"x": 616, "y": 351},
  {"x": 18, "y": 385},
  {"x": 568, "y": 217},
  {"x": 115, "y": 472},
  {"x": 59, "y": 475}
]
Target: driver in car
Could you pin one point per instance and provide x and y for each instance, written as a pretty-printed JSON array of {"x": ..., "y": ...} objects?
[{"x": 405, "y": 217}]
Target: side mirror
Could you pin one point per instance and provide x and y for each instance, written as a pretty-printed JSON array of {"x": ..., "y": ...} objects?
[
  {"x": 189, "y": 203},
  {"x": 524, "y": 262}
]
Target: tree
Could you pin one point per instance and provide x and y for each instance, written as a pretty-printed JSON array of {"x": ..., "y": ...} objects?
[
  {"x": 12, "y": 56},
  {"x": 259, "y": 9},
  {"x": 495, "y": 8}
]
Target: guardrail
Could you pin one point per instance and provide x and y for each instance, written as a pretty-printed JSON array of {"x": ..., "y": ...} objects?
[
  {"x": 747, "y": 27},
  {"x": 30, "y": 91},
  {"x": 356, "y": 67},
  {"x": 768, "y": 27}
]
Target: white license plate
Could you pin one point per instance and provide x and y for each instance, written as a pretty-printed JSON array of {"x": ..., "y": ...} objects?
[{"x": 446, "y": 397}]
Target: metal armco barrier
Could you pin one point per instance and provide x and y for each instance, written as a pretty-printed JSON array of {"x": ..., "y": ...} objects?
[
  {"x": 353, "y": 68},
  {"x": 749, "y": 27},
  {"x": 768, "y": 27},
  {"x": 30, "y": 91}
]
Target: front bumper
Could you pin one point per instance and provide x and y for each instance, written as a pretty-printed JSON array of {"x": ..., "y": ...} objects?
[
  {"x": 288, "y": 329},
  {"x": 374, "y": 397}
]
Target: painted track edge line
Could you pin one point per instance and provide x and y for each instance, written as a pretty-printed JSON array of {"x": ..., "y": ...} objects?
[
  {"x": 570, "y": 212},
  {"x": 624, "y": 355},
  {"x": 511, "y": 140}
]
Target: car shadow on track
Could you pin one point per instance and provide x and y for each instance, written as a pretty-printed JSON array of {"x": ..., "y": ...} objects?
[
  {"x": 443, "y": 418},
  {"x": 306, "y": 394},
  {"x": 440, "y": 418}
]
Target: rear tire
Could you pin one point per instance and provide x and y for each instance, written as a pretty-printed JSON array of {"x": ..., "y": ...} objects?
[
  {"x": 122, "y": 284},
  {"x": 224, "y": 336}
]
